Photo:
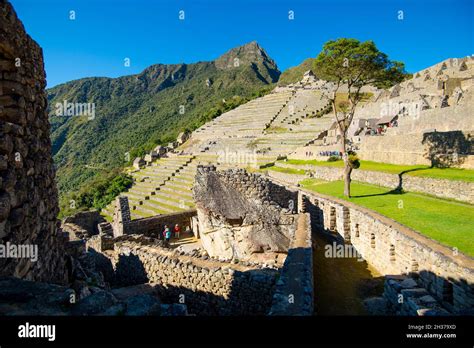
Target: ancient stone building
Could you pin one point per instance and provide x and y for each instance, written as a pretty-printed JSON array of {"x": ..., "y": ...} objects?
[
  {"x": 241, "y": 215},
  {"x": 28, "y": 194}
]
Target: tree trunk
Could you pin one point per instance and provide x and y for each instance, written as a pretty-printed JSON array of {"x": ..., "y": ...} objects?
[
  {"x": 347, "y": 168},
  {"x": 347, "y": 179}
]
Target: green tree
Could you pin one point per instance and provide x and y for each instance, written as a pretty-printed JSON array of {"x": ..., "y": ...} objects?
[{"x": 353, "y": 64}]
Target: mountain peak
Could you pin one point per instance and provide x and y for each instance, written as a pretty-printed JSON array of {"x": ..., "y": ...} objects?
[{"x": 247, "y": 54}]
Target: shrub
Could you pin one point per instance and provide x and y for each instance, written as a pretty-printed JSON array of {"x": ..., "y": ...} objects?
[
  {"x": 333, "y": 158},
  {"x": 354, "y": 160}
]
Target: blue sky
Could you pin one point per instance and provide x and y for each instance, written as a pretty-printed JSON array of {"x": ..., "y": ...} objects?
[{"x": 105, "y": 32}]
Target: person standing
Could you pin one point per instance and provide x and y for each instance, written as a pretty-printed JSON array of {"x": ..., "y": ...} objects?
[
  {"x": 177, "y": 231},
  {"x": 167, "y": 235}
]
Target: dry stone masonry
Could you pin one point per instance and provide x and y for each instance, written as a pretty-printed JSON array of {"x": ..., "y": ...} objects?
[
  {"x": 241, "y": 215},
  {"x": 28, "y": 194},
  {"x": 294, "y": 290},
  {"x": 391, "y": 248},
  {"x": 207, "y": 287}
]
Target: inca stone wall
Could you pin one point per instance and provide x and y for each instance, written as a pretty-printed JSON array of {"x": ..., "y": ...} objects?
[
  {"x": 207, "y": 287},
  {"x": 243, "y": 216},
  {"x": 391, "y": 248},
  {"x": 452, "y": 189},
  {"x": 154, "y": 225},
  {"x": 82, "y": 225},
  {"x": 28, "y": 195},
  {"x": 294, "y": 289},
  {"x": 405, "y": 149},
  {"x": 285, "y": 177},
  {"x": 404, "y": 296}
]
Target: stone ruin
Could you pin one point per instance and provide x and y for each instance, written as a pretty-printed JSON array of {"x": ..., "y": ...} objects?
[
  {"x": 243, "y": 216},
  {"x": 65, "y": 277},
  {"x": 28, "y": 194},
  {"x": 121, "y": 215}
]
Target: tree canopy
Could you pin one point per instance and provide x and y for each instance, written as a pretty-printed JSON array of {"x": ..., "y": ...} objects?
[{"x": 357, "y": 64}]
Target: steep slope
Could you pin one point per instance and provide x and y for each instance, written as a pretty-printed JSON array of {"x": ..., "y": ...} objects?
[
  {"x": 139, "y": 111},
  {"x": 295, "y": 74}
]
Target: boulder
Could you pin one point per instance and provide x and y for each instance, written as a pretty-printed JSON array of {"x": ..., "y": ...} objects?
[
  {"x": 142, "y": 305},
  {"x": 376, "y": 306},
  {"x": 237, "y": 217},
  {"x": 95, "y": 303}
]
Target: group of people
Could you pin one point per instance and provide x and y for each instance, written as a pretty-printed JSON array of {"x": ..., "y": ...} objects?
[
  {"x": 167, "y": 233},
  {"x": 330, "y": 153},
  {"x": 381, "y": 129}
]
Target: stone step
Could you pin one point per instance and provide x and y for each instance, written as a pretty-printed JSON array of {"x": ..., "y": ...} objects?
[
  {"x": 150, "y": 207},
  {"x": 163, "y": 201},
  {"x": 177, "y": 191},
  {"x": 135, "y": 196},
  {"x": 138, "y": 190},
  {"x": 142, "y": 210},
  {"x": 152, "y": 176},
  {"x": 176, "y": 196},
  {"x": 183, "y": 180},
  {"x": 187, "y": 175},
  {"x": 176, "y": 187},
  {"x": 135, "y": 214}
]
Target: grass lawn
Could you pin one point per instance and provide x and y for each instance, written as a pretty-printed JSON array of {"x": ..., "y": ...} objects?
[
  {"x": 285, "y": 170},
  {"x": 416, "y": 170},
  {"x": 448, "y": 222}
]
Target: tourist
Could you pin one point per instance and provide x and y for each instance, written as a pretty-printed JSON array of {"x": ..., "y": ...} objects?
[
  {"x": 167, "y": 235},
  {"x": 177, "y": 230}
]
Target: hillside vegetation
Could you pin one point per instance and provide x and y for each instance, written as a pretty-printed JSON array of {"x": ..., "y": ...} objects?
[
  {"x": 135, "y": 113},
  {"x": 295, "y": 74}
]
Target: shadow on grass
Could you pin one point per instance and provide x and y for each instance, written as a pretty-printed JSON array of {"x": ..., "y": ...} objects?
[
  {"x": 396, "y": 191},
  {"x": 399, "y": 188}
]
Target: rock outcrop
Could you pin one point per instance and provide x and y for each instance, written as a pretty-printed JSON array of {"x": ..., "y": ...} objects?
[{"x": 242, "y": 214}]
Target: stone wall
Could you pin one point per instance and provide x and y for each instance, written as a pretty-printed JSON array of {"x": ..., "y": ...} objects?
[
  {"x": 207, "y": 287},
  {"x": 457, "y": 117},
  {"x": 392, "y": 248},
  {"x": 82, "y": 225},
  {"x": 154, "y": 225},
  {"x": 405, "y": 149},
  {"x": 28, "y": 194},
  {"x": 404, "y": 296},
  {"x": 290, "y": 178},
  {"x": 458, "y": 190},
  {"x": 294, "y": 289}
]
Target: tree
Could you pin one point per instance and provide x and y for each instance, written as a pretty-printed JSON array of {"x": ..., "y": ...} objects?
[{"x": 353, "y": 64}]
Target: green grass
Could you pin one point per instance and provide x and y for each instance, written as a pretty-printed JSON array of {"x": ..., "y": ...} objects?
[
  {"x": 285, "y": 170},
  {"x": 277, "y": 129},
  {"x": 448, "y": 222},
  {"x": 415, "y": 170}
]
